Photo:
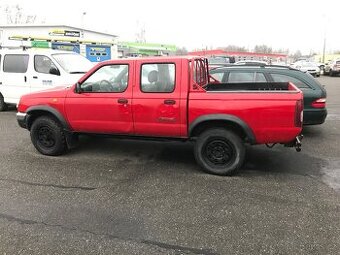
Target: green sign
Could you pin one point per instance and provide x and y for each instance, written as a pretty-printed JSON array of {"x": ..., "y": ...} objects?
[{"x": 38, "y": 44}]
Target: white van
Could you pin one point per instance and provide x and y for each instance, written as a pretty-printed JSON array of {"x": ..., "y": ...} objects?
[{"x": 25, "y": 71}]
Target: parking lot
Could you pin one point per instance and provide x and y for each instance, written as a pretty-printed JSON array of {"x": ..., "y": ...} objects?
[{"x": 111, "y": 196}]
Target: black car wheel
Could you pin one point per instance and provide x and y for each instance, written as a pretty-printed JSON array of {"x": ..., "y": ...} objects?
[
  {"x": 219, "y": 151},
  {"x": 48, "y": 136}
]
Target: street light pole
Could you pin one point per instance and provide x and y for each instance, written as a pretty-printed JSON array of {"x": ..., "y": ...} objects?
[{"x": 82, "y": 19}]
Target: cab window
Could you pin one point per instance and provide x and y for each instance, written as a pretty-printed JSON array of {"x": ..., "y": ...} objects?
[
  {"x": 107, "y": 79},
  {"x": 43, "y": 64},
  {"x": 157, "y": 78}
]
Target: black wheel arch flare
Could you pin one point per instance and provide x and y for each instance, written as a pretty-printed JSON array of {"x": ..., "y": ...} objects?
[{"x": 224, "y": 118}]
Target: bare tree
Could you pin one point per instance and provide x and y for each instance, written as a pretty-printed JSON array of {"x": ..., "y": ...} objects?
[
  {"x": 263, "y": 49},
  {"x": 181, "y": 51},
  {"x": 15, "y": 15},
  {"x": 233, "y": 48}
]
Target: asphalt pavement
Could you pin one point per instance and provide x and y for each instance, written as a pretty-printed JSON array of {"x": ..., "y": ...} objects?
[{"x": 112, "y": 196}]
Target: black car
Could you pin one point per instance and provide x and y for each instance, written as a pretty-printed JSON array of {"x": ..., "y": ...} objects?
[{"x": 314, "y": 93}]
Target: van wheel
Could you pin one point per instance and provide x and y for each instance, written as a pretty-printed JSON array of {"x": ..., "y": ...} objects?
[
  {"x": 3, "y": 105},
  {"x": 48, "y": 136},
  {"x": 219, "y": 151}
]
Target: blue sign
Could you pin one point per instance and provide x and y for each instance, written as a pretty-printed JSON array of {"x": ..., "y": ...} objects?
[{"x": 98, "y": 53}]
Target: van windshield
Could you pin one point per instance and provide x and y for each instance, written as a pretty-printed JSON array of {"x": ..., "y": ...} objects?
[{"x": 73, "y": 63}]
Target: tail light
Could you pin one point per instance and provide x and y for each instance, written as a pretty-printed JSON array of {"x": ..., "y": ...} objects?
[
  {"x": 299, "y": 113},
  {"x": 319, "y": 103}
]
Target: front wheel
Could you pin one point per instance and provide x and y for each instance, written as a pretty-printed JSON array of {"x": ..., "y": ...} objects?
[
  {"x": 48, "y": 136},
  {"x": 219, "y": 151}
]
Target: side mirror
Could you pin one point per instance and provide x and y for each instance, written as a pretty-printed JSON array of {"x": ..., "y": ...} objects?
[
  {"x": 78, "y": 89},
  {"x": 54, "y": 71}
]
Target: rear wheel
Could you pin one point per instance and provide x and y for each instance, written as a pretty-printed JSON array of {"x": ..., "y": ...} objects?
[
  {"x": 219, "y": 151},
  {"x": 3, "y": 105},
  {"x": 48, "y": 136},
  {"x": 331, "y": 72}
]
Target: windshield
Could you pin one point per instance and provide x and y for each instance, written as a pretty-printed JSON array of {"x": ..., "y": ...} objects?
[{"x": 73, "y": 63}]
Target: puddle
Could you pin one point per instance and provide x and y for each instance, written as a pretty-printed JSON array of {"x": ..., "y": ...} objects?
[
  {"x": 331, "y": 174},
  {"x": 333, "y": 116}
]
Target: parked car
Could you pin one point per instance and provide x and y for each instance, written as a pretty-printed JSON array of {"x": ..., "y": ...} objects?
[
  {"x": 332, "y": 68},
  {"x": 25, "y": 71},
  {"x": 167, "y": 98},
  {"x": 315, "y": 111},
  {"x": 308, "y": 67}
]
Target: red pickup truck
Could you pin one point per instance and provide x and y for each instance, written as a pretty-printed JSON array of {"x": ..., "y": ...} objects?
[{"x": 166, "y": 97}]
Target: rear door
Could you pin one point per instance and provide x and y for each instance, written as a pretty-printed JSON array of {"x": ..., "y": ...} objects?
[
  {"x": 104, "y": 103},
  {"x": 14, "y": 76},
  {"x": 156, "y": 98}
]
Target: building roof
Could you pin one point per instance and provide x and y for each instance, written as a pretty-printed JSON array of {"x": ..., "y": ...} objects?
[{"x": 56, "y": 26}]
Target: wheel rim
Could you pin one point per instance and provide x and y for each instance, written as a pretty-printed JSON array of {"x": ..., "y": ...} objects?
[
  {"x": 219, "y": 152},
  {"x": 46, "y": 137}
]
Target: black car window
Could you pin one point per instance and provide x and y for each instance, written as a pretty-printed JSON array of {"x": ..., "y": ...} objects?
[
  {"x": 236, "y": 77},
  {"x": 218, "y": 76},
  {"x": 286, "y": 78}
]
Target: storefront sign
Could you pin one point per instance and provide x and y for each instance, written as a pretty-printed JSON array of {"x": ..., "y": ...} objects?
[{"x": 69, "y": 33}]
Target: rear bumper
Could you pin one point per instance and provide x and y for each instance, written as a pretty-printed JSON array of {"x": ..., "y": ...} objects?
[
  {"x": 314, "y": 116},
  {"x": 21, "y": 118}
]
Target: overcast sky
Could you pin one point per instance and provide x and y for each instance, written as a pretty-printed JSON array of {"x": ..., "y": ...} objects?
[{"x": 287, "y": 24}]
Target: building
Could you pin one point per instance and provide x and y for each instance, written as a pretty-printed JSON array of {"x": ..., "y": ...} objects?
[
  {"x": 94, "y": 45},
  {"x": 327, "y": 57}
]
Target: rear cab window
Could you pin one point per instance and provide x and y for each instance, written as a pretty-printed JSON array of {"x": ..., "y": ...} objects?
[{"x": 157, "y": 78}]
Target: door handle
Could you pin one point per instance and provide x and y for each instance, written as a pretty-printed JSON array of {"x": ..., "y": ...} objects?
[
  {"x": 122, "y": 101},
  {"x": 25, "y": 78},
  {"x": 35, "y": 77},
  {"x": 169, "y": 102}
]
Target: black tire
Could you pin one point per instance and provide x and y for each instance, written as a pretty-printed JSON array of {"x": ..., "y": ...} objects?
[
  {"x": 3, "y": 105},
  {"x": 331, "y": 72},
  {"x": 219, "y": 151},
  {"x": 48, "y": 137}
]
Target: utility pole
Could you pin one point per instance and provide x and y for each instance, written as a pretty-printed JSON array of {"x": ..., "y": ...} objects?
[{"x": 324, "y": 49}]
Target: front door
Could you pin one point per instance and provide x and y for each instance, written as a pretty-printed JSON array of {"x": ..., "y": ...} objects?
[
  {"x": 103, "y": 104},
  {"x": 41, "y": 78},
  {"x": 156, "y": 99}
]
